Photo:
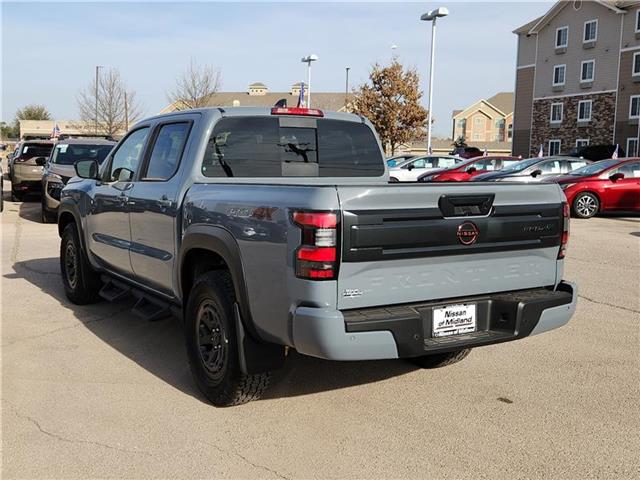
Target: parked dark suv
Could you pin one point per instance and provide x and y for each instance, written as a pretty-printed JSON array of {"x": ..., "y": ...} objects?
[
  {"x": 466, "y": 152},
  {"x": 596, "y": 152}
]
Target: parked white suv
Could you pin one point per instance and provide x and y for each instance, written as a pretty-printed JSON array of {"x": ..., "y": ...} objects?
[{"x": 411, "y": 169}]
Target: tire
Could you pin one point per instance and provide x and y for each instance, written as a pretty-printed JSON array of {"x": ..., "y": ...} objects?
[
  {"x": 393, "y": 180},
  {"x": 440, "y": 359},
  {"x": 81, "y": 282},
  {"x": 585, "y": 205},
  {"x": 209, "y": 317},
  {"x": 45, "y": 215}
]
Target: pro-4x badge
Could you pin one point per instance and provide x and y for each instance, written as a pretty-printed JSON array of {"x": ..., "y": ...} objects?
[{"x": 352, "y": 292}]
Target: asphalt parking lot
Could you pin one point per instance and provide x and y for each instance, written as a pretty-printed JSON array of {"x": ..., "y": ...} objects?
[{"x": 96, "y": 392}]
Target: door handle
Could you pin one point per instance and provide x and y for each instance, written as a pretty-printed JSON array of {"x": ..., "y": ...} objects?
[{"x": 164, "y": 202}]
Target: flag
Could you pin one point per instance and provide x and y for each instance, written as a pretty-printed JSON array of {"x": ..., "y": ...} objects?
[
  {"x": 541, "y": 152},
  {"x": 485, "y": 153},
  {"x": 301, "y": 100},
  {"x": 615, "y": 153},
  {"x": 56, "y": 131}
]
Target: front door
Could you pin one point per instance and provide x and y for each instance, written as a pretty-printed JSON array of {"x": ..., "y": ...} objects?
[
  {"x": 623, "y": 194},
  {"x": 108, "y": 218},
  {"x": 154, "y": 204}
]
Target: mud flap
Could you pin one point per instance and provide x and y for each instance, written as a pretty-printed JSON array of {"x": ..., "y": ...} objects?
[{"x": 256, "y": 357}]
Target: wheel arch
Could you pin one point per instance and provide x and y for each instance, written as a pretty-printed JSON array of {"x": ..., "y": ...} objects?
[{"x": 208, "y": 247}]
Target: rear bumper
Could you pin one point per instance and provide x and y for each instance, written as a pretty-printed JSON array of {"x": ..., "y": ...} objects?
[
  {"x": 26, "y": 186},
  {"x": 405, "y": 330}
]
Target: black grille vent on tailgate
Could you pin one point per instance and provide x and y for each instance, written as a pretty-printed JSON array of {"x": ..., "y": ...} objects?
[{"x": 373, "y": 235}]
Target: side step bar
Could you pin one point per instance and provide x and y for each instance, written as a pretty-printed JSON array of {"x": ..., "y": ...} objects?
[{"x": 146, "y": 307}]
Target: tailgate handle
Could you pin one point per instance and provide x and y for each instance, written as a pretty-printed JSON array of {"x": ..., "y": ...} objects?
[{"x": 466, "y": 205}]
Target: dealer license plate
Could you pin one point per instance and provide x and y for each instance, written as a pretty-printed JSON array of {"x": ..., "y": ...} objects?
[{"x": 454, "y": 320}]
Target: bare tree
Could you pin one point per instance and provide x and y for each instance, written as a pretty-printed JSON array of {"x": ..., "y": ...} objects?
[
  {"x": 195, "y": 86},
  {"x": 117, "y": 106}
]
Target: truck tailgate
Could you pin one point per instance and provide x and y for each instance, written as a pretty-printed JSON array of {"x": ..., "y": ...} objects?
[{"x": 410, "y": 243}]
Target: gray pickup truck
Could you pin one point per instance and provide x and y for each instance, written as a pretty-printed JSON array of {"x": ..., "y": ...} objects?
[{"x": 268, "y": 229}]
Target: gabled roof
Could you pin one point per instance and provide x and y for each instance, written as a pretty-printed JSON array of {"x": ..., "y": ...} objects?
[
  {"x": 257, "y": 84},
  {"x": 526, "y": 28},
  {"x": 542, "y": 22},
  {"x": 503, "y": 101}
]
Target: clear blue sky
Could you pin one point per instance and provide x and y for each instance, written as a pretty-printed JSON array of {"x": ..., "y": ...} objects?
[{"x": 49, "y": 50}]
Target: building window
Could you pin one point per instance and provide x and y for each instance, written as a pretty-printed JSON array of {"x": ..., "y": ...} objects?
[
  {"x": 637, "y": 21},
  {"x": 562, "y": 37},
  {"x": 635, "y": 66},
  {"x": 582, "y": 142},
  {"x": 478, "y": 136},
  {"x": 590, "y": 31},
  {"x": 556, "y": 112},
  {"x": 554, "y": 147},
  {"x": 510, "y": 131},
  {"x": 587, "y": 71},
  {"x": 634, "y": 106},
  {"x": 632, "y": 145},
  {"x": 558, "y": 75},
  {"x": 584, "y": 110}
]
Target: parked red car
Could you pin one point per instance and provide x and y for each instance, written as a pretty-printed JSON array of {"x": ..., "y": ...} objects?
[
  {"x": 470, "y": 168},
  {"x": 602, "y": 186}
]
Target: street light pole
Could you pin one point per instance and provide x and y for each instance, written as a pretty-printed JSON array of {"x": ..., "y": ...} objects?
[
  {"x": 346, "y": 87},
  {"x": 432, "y": 16},
  {"x": 98, "y": 67},
  {"x": 308, "y": 59}
]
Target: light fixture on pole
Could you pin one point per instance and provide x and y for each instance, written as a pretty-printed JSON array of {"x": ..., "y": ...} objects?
[
  {"x": 98, "y": 67},
  {"x": 308, "y": 59},
  {"x": 432, "y": 16}
]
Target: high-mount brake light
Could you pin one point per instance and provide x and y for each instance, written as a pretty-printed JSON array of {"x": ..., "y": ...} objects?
[
  {"x": 317, "y": 256},
  {"x": 308, "y": 112},
  {"x": 566, "y": 214}
]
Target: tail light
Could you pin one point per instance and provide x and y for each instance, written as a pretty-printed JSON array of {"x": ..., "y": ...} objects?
[
  {"x": 566, "y": 213},
  {"x": 309, "y": 112},
  {"x": 317, "y": 256}
]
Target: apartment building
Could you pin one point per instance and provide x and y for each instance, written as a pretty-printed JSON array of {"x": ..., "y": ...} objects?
[
  {"x": 578, "y": 78},
  {"x": 487, "y": 120}
]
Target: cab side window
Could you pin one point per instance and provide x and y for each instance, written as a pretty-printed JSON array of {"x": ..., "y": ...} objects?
[
  {"x": 167, "y": 151},
  {"x": 126, "y": 159}
]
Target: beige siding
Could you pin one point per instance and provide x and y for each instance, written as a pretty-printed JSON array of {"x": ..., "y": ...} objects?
[
  {"x": 526, "y": 50},
  {"x": 523, "y": 110},
  {"x": 629, "y": 29},
  {"x": 608, "y": 42}
]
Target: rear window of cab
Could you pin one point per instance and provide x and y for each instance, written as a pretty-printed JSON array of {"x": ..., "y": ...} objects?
[{"x": 268, "y": 147}]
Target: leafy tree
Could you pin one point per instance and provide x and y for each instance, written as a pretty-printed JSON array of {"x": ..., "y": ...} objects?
[
  {"x": 195, "y": 86},
  {"x": 117, "y": 105},
  {"x": 8, "y": 131},
  {"x": 391, "y": 101}
]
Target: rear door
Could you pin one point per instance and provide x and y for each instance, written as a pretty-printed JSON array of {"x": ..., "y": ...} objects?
[
  {"x": 409, "y": 243},
  {"x": 154, "y": 203}
]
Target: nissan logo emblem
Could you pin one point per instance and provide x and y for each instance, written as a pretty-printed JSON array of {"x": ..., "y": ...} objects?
[{"x": 467, "y": 233}]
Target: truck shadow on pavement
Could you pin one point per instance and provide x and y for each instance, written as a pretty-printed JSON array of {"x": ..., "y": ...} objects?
[{"x": 158, "y": 346}]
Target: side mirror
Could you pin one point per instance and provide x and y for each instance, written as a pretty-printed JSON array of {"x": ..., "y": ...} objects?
[
  {"x": 40, "y": 161},
  {"x": 87, "y": 169},
  {"x": 616, "y": 176},
  {"x": 471, "y": 169},
  {"x": 537, "y": 172}
]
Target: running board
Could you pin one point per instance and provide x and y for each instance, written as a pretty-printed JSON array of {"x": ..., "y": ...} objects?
[
  {"x": 114, "y": 291},
  {"x": 147, "y": 307},
  {"x": 151, "y": 309}
]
